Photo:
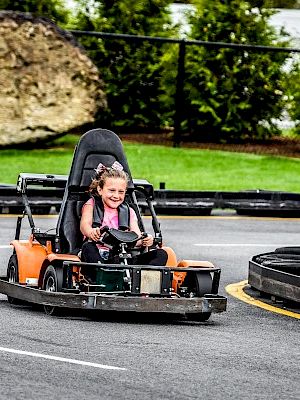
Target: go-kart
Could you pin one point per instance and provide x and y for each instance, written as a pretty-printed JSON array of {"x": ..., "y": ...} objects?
[{"x": 46, "y": 269}]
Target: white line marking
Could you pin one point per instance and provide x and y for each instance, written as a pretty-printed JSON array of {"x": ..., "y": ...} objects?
[
  {"x": 6, "y": 246},
  {"x": 244, "y": 245},
  {"x": 68, "y": 360}
]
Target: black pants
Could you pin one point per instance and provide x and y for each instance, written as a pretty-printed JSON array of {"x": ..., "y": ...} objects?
[
  {"x": 152, "y": 257},
  {"x": 90, "y": 254}
]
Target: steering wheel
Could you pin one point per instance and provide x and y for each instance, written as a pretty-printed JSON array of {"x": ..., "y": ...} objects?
[{"x": 114, "y": 237}]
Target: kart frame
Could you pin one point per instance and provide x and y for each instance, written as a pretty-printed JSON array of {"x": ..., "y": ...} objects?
[{"x": 58, "y": 251}]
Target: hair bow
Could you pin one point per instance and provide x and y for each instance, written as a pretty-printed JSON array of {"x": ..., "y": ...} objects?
[
  {"x": 101, "y": 167},
  {"x": 117, "y": 166}
]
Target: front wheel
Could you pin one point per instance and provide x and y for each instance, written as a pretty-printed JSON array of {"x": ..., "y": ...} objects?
[
  {"x": 13, "y": 276},
  {"x": 201, "y": 317},
  {"x": 52, "y": 282}
]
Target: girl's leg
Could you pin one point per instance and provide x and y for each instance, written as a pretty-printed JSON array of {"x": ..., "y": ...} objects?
[
  {"x": 89, "y": 254},
  {"x": 152, "y": 257}
]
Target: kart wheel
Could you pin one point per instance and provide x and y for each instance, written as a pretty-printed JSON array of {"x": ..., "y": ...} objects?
[
  {"x": 198, "y": 283},
  {"x": 199, "y": 317},
  {"x": 52, "y": 282},
  {"x": 13, "y": 276},
  {"x": 203, "y": 284}
]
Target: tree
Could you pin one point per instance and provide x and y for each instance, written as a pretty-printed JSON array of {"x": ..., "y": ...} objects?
[
  {"x": 293, "y": 92},
  {"x": 280, "y": 3},
  {"x": 233, "y": 95},
  {"x": 131, "y": 70},
  {"x": 52, "y": 9}
]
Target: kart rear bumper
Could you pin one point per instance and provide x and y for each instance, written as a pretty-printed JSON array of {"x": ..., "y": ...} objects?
[{"x": 211, "y": 303}]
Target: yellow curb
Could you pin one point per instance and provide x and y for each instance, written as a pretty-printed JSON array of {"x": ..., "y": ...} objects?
[{"x": 237, "y": 290}]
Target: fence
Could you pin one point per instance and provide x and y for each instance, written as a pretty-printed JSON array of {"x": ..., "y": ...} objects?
[{"x": 181, "y": 68}]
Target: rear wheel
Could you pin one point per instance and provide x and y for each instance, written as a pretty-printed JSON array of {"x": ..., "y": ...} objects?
[
  {"x": 52, "y": 282},
  {"x": 13, "y": 276}
]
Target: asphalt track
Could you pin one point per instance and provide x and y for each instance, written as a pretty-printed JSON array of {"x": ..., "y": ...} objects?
[{"x": 247, "y": 352}]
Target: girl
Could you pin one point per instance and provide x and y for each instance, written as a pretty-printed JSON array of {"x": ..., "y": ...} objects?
[{"x": 107, "y": 208}]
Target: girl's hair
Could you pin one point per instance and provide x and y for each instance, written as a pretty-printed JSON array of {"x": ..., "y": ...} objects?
[{"x": 102, "y": 175}]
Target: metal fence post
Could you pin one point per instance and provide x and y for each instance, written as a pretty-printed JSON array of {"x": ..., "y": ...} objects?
[{"x": 179, "y": 95}]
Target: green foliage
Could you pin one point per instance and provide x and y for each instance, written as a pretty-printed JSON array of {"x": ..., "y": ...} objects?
[
  {"x": 131, "y": 70},
  {"x": 281, "y": 3},
  {"x": 52, "y": 9},
  {"x": 233, "y": 95},
  {"x": 293, "y": 93}
]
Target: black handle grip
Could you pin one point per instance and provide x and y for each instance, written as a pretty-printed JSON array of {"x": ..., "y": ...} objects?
[{"x": 104, "y": 229}]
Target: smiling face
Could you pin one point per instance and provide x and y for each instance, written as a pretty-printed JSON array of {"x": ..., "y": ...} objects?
[{"x": 113, "y": 192}]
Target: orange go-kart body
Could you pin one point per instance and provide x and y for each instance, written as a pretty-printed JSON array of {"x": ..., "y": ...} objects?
[{"x": 34, "y": 258}]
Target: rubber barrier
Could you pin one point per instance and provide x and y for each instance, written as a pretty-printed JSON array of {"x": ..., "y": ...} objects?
[{"x": 168, "y": 202}]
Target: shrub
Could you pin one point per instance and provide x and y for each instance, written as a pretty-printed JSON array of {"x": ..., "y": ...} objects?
[
  {"x": 233, "y": 95},
  {"x": 52, "y": 9},
  {"x": 131, "y": 70}
]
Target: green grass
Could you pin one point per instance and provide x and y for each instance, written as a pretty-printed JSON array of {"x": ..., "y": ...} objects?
[{"x": 179, "y": 168}]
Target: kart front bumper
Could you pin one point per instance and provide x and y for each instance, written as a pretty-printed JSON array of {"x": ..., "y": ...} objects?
[{"x": 210, "y": 303}]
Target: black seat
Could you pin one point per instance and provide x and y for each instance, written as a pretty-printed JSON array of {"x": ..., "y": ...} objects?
[{"x": 94, "y": 147}]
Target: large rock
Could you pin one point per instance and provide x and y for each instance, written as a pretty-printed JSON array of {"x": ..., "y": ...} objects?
[{"x": 48, "y": 85}]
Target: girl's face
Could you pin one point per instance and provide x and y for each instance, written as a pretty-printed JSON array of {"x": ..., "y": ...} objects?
[{"x": 113, "y": 192}]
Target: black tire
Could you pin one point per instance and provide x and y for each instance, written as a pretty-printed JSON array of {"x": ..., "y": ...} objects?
[
  {"x": 288, "y": 250},
  {"x": 200, "y": 283},
  {"x": 41, "y": 210},
  {"x": 13, "y": 276},
  {"x": 52, "y": 282},
  {"x": 203, "y": 284},
  {"x": 201, "y": 317}
]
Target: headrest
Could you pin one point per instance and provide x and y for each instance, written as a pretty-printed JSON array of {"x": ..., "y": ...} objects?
[{"x": 96, "y": 146}]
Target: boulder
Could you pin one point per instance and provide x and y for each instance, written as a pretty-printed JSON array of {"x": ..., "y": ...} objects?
[{"x": 48, "y": 84}]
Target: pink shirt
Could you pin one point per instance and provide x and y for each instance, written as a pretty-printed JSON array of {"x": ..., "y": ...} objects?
[{"x": 111, "y": 217}]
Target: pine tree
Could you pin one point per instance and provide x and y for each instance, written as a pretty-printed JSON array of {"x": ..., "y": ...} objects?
[{"x": 230, "y": 94}]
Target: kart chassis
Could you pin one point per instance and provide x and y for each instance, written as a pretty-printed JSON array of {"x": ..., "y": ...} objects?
[{"x": 199, "y": 303}]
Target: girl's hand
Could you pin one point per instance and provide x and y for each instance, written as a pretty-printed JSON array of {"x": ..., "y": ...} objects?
[
  {"x": 95, "y": 234},
  {"x": 147, "y": 241}
]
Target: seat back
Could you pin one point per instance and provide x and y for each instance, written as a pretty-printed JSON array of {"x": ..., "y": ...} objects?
[{"x": 94, "y": 147}]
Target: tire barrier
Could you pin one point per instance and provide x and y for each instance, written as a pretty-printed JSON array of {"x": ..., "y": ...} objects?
[
  {"x": 250, "y": 202},
  {"x": 171, "y": 202},
  {"x": 277, "y": 273},
  {"x": 43, "y": 201}
]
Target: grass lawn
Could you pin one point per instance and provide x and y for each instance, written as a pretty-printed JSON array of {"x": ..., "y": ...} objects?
[{"x": 179, "y": 168}]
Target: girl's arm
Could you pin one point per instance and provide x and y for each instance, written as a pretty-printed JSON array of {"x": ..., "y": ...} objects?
[{"x": 86, "y": 223}]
